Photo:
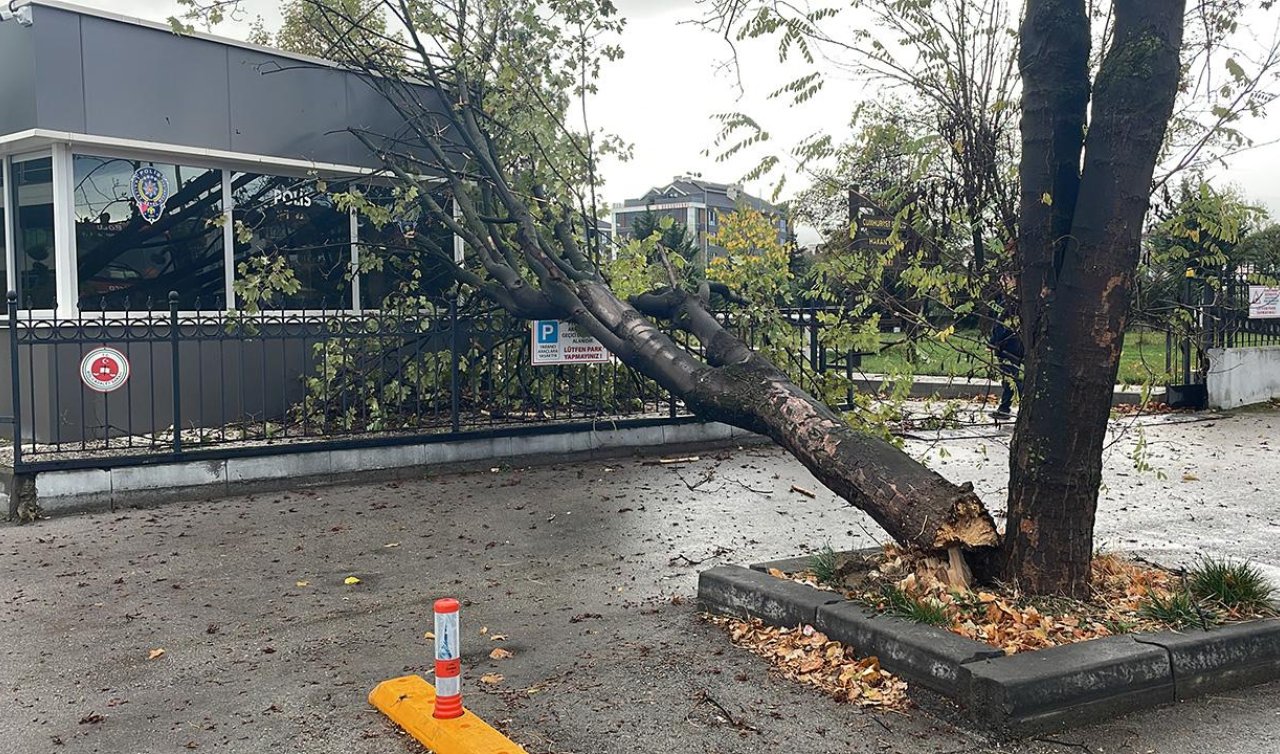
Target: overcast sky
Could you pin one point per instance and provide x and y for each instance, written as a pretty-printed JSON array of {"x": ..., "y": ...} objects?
[{"x": 662, "y": 96}]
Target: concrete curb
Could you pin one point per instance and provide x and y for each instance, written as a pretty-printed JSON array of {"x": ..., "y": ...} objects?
[
  {"x": 743, "y": 593},
  {"x": 922, "y": 654},
  {"x": 1025, "y": 693},
  {"x": 75, "y": 490},
  {"x": 1031, "y": 692},
  {"x": 786, "y": 565},
  {"x": 1224, "y": 657},
  {"x": 947, "y": 388}
]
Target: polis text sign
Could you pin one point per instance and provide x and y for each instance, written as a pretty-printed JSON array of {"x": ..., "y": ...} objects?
[
  {"x": 1264, "y": 302},
  {"x": 558, "y": 342}
]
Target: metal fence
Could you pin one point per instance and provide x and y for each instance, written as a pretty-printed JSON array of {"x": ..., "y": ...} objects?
[
  {"x": 222, "y": 384},
  {"x": 1214, "y": 314},
  {"x": 1228, "y": 322}
]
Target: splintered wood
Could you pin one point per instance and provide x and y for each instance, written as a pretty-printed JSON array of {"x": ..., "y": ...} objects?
[{"x": 810, "y": 657}]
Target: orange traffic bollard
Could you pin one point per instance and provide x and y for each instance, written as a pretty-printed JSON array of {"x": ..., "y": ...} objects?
[
  {"x": 448, "y": 661},
  {"x": 433, "y": 715}
]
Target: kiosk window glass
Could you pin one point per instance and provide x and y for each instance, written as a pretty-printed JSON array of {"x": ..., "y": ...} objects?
[
  {"x": 295, "y": 219},
  {"x": 144, "y": 229},
  {"x": 32, "y": 202}
]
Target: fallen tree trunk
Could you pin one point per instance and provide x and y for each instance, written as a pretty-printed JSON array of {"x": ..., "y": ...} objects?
[{"x": 914, "y": 504}]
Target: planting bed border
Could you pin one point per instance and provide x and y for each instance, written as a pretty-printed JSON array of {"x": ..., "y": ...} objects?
[{"x": 1024, "y": 693}]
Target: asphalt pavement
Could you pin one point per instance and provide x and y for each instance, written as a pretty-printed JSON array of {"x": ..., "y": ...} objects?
[{"x": 587, "y": 573}]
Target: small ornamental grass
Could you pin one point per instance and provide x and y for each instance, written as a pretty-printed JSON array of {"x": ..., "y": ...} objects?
[
  {"x": 1178, "y": 609},
  {"x": 1237, "y": 587},
  {"x": 921, "y": 610},
  {"x": 823, "y": 565}
]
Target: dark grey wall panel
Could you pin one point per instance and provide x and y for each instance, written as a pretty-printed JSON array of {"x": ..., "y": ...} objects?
[
  {"x": 17, "y": 78},
  {"x": 103, "y": 76},
  {"x": 369, "y": 110},
  {"x": 289, "y": 108},
  {"x": 59, "y": 70},
  {"x": 143, "y": 84}
]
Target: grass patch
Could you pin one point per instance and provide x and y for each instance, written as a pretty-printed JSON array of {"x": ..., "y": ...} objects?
[
  {"x": 926, "y": 610},
  {"x": 965, "y": 354},
  {"x": 823, "y": 565},
  {"x": 1178, "y": 609},
  {"x": 1233, "y": 585}
]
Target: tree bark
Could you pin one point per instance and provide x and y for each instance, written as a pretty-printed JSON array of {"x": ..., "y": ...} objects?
[{"x": 1077, "y": 287}]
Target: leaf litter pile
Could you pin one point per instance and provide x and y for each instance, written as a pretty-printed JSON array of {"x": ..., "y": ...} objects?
[
  {"x": 806, "y": 655},
  {"x": 918, "y": 588}
]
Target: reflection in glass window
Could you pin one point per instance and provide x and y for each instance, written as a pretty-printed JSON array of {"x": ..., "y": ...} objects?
[
  {"x": 130, "y": 256},
  {"x": 400, "y": 261},
  {"x": 295, "y": 219},
  {"x": 32, "y": 197}
]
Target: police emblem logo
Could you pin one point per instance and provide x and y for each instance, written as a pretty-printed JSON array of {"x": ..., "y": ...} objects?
[
  {"x": 150, "y": 190},
  {"x": 408, "y": 229}
]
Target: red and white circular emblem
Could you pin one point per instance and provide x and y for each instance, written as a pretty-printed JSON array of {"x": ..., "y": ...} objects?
[{"x": 104, "y": 369}]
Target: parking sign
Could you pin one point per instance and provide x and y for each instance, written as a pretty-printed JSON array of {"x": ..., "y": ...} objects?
[{"x": 560, "y": 342}]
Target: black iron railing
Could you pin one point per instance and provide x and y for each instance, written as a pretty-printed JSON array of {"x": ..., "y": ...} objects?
[
  {"x": 1214, "y": 313},
  {"x": 209, "y": 385}
]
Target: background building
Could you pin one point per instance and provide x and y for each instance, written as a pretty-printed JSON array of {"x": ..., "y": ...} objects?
[
  {"x": 697, "y": 205},
  {"x": 136, "y": 163},
  {"x": 226, "y": 133}
]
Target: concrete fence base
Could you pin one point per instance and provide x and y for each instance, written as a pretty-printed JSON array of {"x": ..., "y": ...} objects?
[
  {"x": 1243, "y": 376},
  {"x": 85, "y": 489}
]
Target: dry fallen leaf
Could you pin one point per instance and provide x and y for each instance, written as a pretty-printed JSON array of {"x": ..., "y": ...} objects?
[
  {"x": 1006, "y": 620},
  {"x": 351, "y": 581},
  {"x": 491, "y": 679},
  {"x": 301, "y": 583},
  {"x": 484, "y": 630},
  {"x": 430, "y": 635},
  {"x": 500, "y": 654},
  {"x": 1190, "y": 478},
  {"x": 153, "y": 654},
  {"x": 808, "y": 656},
  {"x": 498, "y": 637}
]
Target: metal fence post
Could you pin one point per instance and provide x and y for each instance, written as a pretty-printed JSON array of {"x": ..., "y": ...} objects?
[
  {"x": 15, "y": 373},
  {"x": 814, "y": 363},
  {"x": 455, "y": 414},
  {"x": 174, "y": 343}
]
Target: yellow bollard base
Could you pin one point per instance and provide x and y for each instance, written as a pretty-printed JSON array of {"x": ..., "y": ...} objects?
[{"x": 409, "y": 702}]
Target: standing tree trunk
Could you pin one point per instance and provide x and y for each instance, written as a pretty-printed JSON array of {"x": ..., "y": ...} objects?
[{"x": 1079, "y": 237}]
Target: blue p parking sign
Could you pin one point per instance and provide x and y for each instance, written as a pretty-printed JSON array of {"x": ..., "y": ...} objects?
[
  {"x": 548, "y": 331},
  {"x": 559, "y": 342}
]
